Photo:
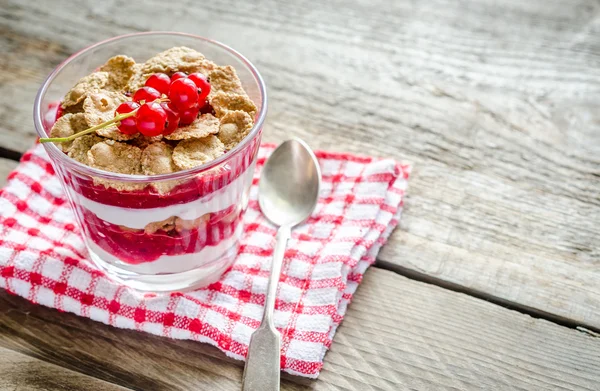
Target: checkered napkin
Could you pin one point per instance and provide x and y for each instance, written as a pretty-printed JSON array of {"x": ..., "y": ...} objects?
[{"x": 43, "y": 259}]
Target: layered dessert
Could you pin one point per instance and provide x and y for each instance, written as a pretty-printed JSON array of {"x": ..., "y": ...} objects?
[{"x": 142, "y": 124}]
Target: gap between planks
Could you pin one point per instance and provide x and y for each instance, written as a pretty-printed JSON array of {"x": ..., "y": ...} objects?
[
  {"x": 10, "y": 154},
  {"x": 533, "y": 312}
]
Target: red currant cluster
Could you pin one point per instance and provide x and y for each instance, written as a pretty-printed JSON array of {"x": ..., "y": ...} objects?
[{"x": 187, "y": 98}]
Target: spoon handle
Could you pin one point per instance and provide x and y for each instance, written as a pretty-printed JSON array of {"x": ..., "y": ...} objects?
[
  {"x": 283, "y": 234},
  {"x": 262, "y": 371}
]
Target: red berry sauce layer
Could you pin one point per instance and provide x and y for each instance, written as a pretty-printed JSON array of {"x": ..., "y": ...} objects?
[{"x": 136, "y": 246}]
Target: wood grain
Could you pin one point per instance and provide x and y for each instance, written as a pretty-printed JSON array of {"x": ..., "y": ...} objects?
[
  {"x": 398, "y": 335},
  {"x": 6, "y": 166},
  {"x": 21, "y": 372},
  {"x": 495, "y": 102}
]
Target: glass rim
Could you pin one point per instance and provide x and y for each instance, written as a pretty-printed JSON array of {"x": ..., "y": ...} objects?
[{"x": 73, "y": 164}]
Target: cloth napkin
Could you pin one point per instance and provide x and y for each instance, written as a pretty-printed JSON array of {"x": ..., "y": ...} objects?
[{"x": 43, "y": 259}]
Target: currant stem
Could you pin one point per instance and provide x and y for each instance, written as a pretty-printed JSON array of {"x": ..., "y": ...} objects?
[
  {"x": 116, "y": 119},
  {"x": 87, "y": 131}
]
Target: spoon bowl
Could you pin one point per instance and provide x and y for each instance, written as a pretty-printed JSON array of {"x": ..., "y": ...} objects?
[{"x": 289, "y": 184}]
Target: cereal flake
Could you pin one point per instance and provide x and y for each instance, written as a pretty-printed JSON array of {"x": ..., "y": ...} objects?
[
  {"x": 85, "y": 86},
  {"x": 138, "y": 78},
  {"x": 227, "y": 101},
  {"x": 203, "y": 126},
  {"x": 157, "y": 158},
  {"x": 143, "y": 141},
  {"x": 66, "y": 126},
  {"x": 81, "y": 145},
  {"x": 78, "y": 122},
  {"x": 120, "y": 69},
  {"x": 225, "y": 79},
  {"x": 100, "y": 107},
  {"x": 174, "y": 60},
  {"x": 116, "y": 157},
  {"x": 74, "y": 109},
  {"x": 195, "y": 152},
  {"x": 235, "y": 125}
]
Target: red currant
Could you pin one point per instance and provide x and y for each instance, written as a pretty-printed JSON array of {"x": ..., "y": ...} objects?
[
  {"x": 178, "y": 75},
  {"x": 160, "y": 82},
  {"x": 146, "y": 94},
  {"x": 172, "y": 119},
  {"x": 127, "y": 125},
  {"x": 183, "y": 94},
  {"x": 151, "y": 119},
  {"x": 188, "y": 116},
  {"x": 202, "y": 83}
]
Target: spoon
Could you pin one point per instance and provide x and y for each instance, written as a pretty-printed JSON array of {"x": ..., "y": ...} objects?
[{"x": 287, "y": 195}]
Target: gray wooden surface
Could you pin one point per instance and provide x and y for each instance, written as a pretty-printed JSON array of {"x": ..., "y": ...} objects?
[
  {"x": 496, "y": 103},
  {"x": 23, "y": 372}
]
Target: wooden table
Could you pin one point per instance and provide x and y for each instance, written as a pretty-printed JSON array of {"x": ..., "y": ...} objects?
[{"x": 492, "y": 280}]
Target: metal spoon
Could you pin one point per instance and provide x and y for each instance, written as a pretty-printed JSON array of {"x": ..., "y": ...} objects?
[{"x": 287, "y": 195}]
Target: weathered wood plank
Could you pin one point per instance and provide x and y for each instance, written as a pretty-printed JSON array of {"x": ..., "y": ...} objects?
[
  {"x": 498, "y": 113},
  {"x": 20, "y": 372},
  {"x": 6, "y": 166},
  {"x": 547, "y": 51},
  {"x": 398, "y": 335}
]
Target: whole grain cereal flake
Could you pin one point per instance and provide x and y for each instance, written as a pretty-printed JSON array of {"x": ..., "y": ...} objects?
[
  {"x": 78, "y": 122},
  {"x": 100, "y": 107},
  {"x": 74, "y": 109},
  {"x": 157, "y": 158},
  {"x": 225, "y": 79},
  {"x": 143, "y": 141},
  {"x": 227, "y": 101},
  {"x": 66, "y": 126},
  {"x": 195, "y": 152},
  {"x": 177, "y": 59},
  {"x": 116, "y": 157},
  {"x": 85, "y": 86},
  {"x": 120, "y": 69},
  {"x": 138, "y": 78},
  {"x": 81, "y": 145},
  {"x": 203, "y": 126},
  {"x": 235, "y": 125}
]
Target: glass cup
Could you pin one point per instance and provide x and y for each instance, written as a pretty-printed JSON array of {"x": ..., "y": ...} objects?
[{"x": 178, "y": 239}]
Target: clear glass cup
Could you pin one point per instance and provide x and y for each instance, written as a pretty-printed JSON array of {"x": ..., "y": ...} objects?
[{"x": 184, "y": 238}]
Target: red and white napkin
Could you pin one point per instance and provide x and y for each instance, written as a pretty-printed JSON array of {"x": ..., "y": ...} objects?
[{"x": 43, "y": 259}]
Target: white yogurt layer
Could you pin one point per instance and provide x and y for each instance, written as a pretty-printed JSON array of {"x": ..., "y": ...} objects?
[
  {"x": 172, "y": 263},
  {"x": 229, "y": 195}
]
